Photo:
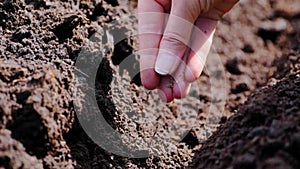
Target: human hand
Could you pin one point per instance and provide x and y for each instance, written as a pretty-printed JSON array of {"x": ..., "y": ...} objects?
[{"x": 174, "y": 47}]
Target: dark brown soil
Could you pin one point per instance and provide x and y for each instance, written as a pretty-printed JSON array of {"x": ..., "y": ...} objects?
[
  {"x": 257, "y": 42},
  {"x": 264, "y": 133}
]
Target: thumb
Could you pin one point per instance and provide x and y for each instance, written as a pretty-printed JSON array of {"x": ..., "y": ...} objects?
[{"x": 177, "y": 35}]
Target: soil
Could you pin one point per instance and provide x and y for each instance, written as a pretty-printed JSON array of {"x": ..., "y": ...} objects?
[
  {"x": 242, "y": 113},
  {"x": 264, "y": 133}
]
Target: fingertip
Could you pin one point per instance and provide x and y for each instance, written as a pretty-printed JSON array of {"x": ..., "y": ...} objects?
[
  {"x": 149, "y": 86},
  {"x": 189, "y": 75},
  {"x": 164, "y": 96},
  {"x": 150, "y": 80},
  {"x": 181, "y": 89},
  {"x": 165, "y": 90}
]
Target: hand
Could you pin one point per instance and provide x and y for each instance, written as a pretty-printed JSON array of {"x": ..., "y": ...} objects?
[{"x": 173, "y": 52}]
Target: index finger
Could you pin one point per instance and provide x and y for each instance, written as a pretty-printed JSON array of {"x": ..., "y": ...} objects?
[{"x": 151, "y": 21}]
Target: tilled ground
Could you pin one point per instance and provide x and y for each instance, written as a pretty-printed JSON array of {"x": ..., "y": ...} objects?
[{"x": 42, "y": 43}]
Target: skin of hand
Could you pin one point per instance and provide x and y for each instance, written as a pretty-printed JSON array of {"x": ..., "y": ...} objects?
[{"x": 173, "y": 52}]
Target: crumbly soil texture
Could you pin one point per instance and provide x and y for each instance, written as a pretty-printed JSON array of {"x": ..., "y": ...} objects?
[{"x": 69, "y": 77}]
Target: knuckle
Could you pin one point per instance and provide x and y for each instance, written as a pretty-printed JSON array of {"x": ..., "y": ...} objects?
[{"x": 174, "y": 38}]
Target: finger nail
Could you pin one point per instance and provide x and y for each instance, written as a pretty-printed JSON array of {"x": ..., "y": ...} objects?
[{"x": 164, "y": 64}]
